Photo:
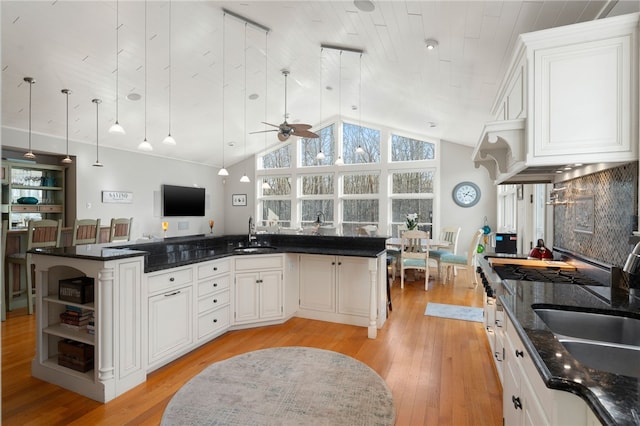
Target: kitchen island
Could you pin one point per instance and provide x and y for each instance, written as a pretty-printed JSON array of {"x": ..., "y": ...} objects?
[
  {"x": 158, "y": 300},
  {"x": 533, "y": 355}
]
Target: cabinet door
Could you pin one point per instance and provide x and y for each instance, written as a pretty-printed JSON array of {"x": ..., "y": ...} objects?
[
  {"x": 512, "y": 400},
  {"x": 271, "y": 295},
  {"x": 170, "y": 323},
  {"x": 318, "y": 283},
  {"x": 354, "y": 286},
  {"x": 247, "y": 297}
]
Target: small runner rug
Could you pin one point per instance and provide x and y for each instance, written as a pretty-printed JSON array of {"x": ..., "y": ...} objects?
[
  {"x": 283, "y": 386},
  {"x": 466, "y": 313}
]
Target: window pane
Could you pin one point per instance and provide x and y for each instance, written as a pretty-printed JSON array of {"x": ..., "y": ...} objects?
[
  {"x": 317, "y": 184},
  {"x": 361, "y": 211},
  {"x": 401, "y": 208},
  {"x": 278, "y": 210},
  {"x": 369, "y": 139},
  {"x": 280, "y": 158},
  {"x": 310, "y": 148},
  {"x": 279, "y": 186},
  {"x": 407, "y": 149},
  {"x": 312, "y": 208},
  {"x": 361, "y": 184},
  {"x": 412, "y": 183}
]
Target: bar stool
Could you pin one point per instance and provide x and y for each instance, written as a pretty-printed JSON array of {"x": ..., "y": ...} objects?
[
  {"x": 120, "y": 229},
  {"x": 41, "y": 233},
  {"x": 86, "y": 231}
]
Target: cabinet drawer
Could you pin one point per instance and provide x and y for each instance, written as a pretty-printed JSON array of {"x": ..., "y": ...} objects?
[
  {"x": 213, "y": 321},
  {"x": 259, "y": 262},
  {"x": 212, "y": 301},
  {"x": 211, "y": 269},
  {"x": 24, "y": 208},
  {"x": 167, "y": 280},
  {"x": 51, "y": 209},
  {"x": 214, "y": 284}
]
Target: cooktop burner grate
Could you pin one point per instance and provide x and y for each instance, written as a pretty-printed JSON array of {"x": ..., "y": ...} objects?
[{"x": 551, "y": 275}]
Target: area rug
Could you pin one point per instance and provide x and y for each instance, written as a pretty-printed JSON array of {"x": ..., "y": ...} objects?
[
  {"x": 283, "y": 386},
  {"x": 466, "y": 313}
]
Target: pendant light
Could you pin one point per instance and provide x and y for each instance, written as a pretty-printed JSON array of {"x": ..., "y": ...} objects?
[
  {"x": 67, "y": 159},
  {"x": 340, "y": 161},
  {"x": 169, "y": 140},
  {"x": 116, "y": 128},
  {"x": 265, "y": 183},
  {"x": 145, "y": 145},
  {"x": 223, "y": 171},
  {"x": 97, "y": 163},
  {"x": 29, "y": 154},
  {"x": 245, "y": 178},
  {"x": 359, "y": 150}
]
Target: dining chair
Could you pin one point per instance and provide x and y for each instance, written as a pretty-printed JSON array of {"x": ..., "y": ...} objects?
[
  {"x": 5, "y": 228},
  {"x": 86, "y": 231},
  {"x": 120, "y": 229},
  {"x": 394, "y": 253},
  {"x": 414, "y": 254},
  {"x": 451, "y": 260},
  {"x": 451, "y": 235},
  {"x": 41, "y": 233}
]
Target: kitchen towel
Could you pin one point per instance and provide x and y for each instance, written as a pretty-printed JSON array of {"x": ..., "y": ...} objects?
[{"x": 466, "y": 313}]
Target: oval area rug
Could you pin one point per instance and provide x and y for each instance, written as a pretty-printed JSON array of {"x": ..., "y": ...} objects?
[{"x": 283, "y": 386}]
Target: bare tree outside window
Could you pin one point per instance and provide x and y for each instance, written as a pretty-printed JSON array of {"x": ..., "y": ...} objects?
[
  {"x": 310, "y": 147},
  {"x": 277, "y": 159},
  {"x": 400, "y": 208},
  {"x": 412, "y": 182},
  {"x": 279, "y": 185},
  {"x": 317, "y": 184},
  {"x": 280, "y": 209},
  {"x": 311, "y": 209},
  {"x": 354, "y": 136},
  {"x": 407, "y": 149}
]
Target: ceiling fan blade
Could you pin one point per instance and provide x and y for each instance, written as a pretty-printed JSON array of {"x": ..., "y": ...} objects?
[
  {"x": 283, "y": 137},
  {"x": 299, "y": 127},
  {"x": 264, "y": 131},
  {"x": 269, "y": 124},
  {"x": 305, "y": 134}
]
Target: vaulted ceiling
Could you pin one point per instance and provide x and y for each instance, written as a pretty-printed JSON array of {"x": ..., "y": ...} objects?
[{"x": 177, "y": 56}]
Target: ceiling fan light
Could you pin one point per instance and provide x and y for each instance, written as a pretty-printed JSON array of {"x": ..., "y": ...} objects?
[
  {"x": 117, "y": 129},
  {"x": 223, "y": 172},
  {"x": 145, "y": 146},
  {"x": 169, "y": 140},
  {"x": 245, "y": 178}
]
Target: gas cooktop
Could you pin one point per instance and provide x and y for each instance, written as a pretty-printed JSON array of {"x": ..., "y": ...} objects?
[{"x": 550, "y": 275}]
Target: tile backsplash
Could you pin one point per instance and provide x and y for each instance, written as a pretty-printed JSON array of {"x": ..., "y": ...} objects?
[{"x": 600, "y": 213}]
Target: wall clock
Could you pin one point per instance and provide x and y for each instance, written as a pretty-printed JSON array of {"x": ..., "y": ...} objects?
[{"x": 466, "y": 194}]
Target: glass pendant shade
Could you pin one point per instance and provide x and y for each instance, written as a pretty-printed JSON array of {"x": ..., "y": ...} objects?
[
  {"x": 169, "y": 140},
  {"x": 223, "y": 172},
  {"x": 320, "y": 156},
  {"x": 265, "y": 185},
  {"x": 117, "y": 129},
  {"x": 359, "y": 150},
  {"x": 145, "y": 145},
  {"x": 245, "y": 178},
  {"x": 339, "y": 162}
]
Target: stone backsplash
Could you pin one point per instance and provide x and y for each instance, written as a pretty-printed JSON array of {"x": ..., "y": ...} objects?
[{"x": 599, "y": 214}]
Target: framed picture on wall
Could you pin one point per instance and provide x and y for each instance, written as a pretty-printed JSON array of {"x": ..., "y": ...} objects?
[{"x": 239, "y": 200}]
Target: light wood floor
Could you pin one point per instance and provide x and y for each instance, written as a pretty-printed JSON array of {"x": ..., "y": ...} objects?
[{"x": 439, "y": 370}]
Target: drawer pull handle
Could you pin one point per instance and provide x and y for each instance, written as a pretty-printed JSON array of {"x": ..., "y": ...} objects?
[
  {"x": 519, "y": 353},
  {"x": 516, "y": 402},
  {"x": 497, "y": 355},
  {"x": 172, "y": 294},
  {"x": 499, "y": 323},
  {"x": 215, "y": 300},
  {"x": 172, "y": 279}
]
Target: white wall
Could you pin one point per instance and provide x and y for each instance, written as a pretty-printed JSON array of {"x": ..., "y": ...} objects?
[
  {"x": 238, "y": 216},
  {"x": 134, "y": 172}
]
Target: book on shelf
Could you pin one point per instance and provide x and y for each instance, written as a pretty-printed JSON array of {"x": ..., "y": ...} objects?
[
  {"x": 70, "y": 319},
  {"x": 73, "y": 327},
  {"x": 76, "y": 310}
]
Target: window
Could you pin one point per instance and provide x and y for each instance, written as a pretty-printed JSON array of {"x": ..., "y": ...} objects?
[
  {"x": 412, "y": 192},
  {"x": 276, "y": 201},
  {"x": 368, "y": 139},
  {"x": 412, "y": 182},
  {"x": 407, "y": 149},
  {"x": 278, "y": 158},
  {"x": 401, "y": 207},
  {"x": 317, "y": 184},
  {"x": 357, "y": 213},
  {"x": 354, "y": 184},
  {"x": 309, "y": 148}
]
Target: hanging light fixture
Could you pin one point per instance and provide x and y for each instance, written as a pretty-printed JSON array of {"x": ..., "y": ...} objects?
[
  {"x": 116, "y": 128},
  {"x": 29, "y": 154},
  {"x": 265, "y": 183},
  {"x": 169, "y": 140},
  {"x": 145, "y": 145},
  {"x": 339, "y": 161},
  {"x": 359, "y": 150},
  {"x": 223, "y": 171},
  {"x": 245, "y": 178},
  {"x": 67, "y": 159},
  {"x": 97, "y": 163}
]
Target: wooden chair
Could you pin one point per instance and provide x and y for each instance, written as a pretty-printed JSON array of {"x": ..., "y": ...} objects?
[
  {"x": 5, "y": 228},
  {"x": 120, "y": 229},
  {"x": 450, "y": 260},
  {"x": 450, "y": 234},
  {"x": 86, "y": 231},
  {"x": 41, "y": 234},
  {"x": 394, "y": 254},
  {"x": 414, "y": 254}
]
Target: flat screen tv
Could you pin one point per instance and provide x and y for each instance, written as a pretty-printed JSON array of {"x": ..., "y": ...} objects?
[{"x": 182, "y": 201}]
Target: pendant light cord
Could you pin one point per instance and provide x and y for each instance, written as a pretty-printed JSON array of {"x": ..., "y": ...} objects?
[
  {"x": 170, "y": 68},
  {"x": 117, "y": 57},
  {"x": 67, "y": 93},
  {"x": 30, "y": 86},
  {"x": 360, "y": 105},
  {"x": 245, "y": 89},
  {"x": 97, "y": 102},
  {"x": 224, "y": 30},
  {"x": 145, "y": 70}
]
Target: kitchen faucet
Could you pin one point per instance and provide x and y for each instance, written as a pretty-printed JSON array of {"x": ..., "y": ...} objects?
[{"x": 252, "y": 231}]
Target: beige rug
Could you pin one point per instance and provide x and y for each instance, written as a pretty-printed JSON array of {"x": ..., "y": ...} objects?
[{"x": 283, "y": 386}]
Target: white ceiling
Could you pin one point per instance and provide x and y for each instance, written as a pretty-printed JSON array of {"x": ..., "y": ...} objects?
[{"x": 72, "y": 44}]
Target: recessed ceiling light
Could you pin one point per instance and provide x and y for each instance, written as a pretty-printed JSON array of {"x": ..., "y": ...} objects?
[
  {"x": 431, "y": 44},
  {"x": 329, "y": 88},
  {"x": 232, "y": 143},
  {"x": 134, "y": 96},
  {"x": 254, "y": 96},
  {"x": 365, "y": 5}
]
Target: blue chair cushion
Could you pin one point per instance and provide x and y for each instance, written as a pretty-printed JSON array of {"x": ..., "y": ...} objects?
[
  {"x": 453, "y": 258},
  {"x": 416, "y": 263},
  {"x": 437, "y": 254}
]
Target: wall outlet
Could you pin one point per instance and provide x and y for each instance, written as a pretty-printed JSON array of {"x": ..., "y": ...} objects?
[{"x": 183, "y": 226}]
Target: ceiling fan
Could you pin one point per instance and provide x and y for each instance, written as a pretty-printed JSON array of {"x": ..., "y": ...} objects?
[{"x": 285, "y": 130}]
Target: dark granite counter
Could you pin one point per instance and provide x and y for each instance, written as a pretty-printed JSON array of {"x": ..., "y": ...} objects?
[
  {"x": 181, "y": 251},
  {"x": 614, "y": 398}
]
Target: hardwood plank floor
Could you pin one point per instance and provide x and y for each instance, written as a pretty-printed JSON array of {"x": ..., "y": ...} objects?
[{"x": 439, "y": 370}]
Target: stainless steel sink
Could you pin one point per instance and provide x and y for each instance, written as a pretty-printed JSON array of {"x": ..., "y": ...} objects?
[
  {"x": 255, "y": 249},
  {"x": 592, "y": 326},
  {"x": 601, "y": 341}
]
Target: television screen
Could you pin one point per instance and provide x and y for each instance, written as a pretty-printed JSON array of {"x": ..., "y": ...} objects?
[{"x": 182, "y": 201}]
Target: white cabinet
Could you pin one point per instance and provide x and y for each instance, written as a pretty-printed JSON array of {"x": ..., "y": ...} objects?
[
  {"x": 170, "y": 314},
  {"x": 214, "y": 299},
  {"x": 527, "y": 400},
  {"x": 318, "y": 283},
  {"x": 259, "y": 292}
]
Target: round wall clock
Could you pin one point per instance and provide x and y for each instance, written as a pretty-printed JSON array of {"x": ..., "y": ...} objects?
[{"x": 466, "y": 194}]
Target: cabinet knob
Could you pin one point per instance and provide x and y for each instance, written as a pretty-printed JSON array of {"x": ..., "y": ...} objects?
[
  {"x": 215, "y": 320},
  {"x": 172, "y": 279},
  {"x": 499, "y": 323},
  {"x": 333, "y": 263},
  {"x": 215, "y": 284},
  {"x": 215, "y": 300},
  {"x": 339, "y": 263},
  {"x": 519, "y": 353},
  {"x": 215, "y": 268},
  {"x": 516, "y": 402}
]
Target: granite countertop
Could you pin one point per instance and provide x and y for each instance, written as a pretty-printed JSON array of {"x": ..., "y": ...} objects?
[
  {"x": 614, "y": 398},
  {"x": 180, "y": 251}
]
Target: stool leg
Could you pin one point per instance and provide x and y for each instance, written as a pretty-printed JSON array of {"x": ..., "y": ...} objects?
[
  {"x": 29, "y": 288},
  {"x": 10, "y": 287}
]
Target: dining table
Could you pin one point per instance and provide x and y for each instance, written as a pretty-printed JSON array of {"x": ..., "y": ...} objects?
[{"x": 396, "y": 243}]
